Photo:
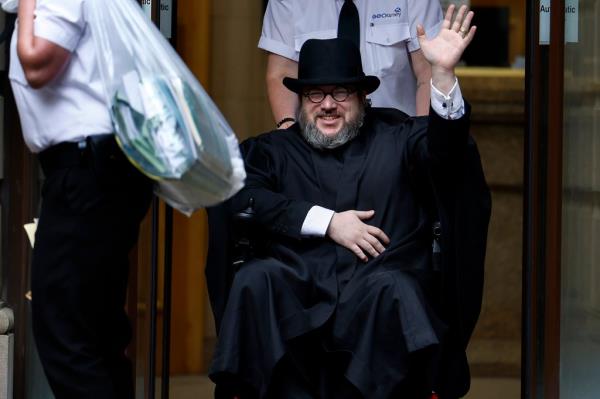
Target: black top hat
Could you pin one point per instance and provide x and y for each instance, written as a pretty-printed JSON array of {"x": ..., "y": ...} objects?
[{"x": 330, "y": 62}]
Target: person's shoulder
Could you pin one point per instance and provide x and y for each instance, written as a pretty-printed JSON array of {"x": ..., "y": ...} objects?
[
  {"x": 387, "y": 115},
  {"x": 280, "y": 135},
  {"x": 62, "y": 8},
  {"x": 392, "y": 120},
  {"x": 393, "y": 117},
  {"x": 275, "y": 138}
]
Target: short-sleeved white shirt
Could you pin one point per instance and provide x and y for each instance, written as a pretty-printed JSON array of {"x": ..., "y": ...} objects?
[
  {"x": 388, "y": 34},
  {"x": 72, "y": 106}
]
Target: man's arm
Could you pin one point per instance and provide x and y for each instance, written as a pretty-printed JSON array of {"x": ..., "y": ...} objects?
[
  {"x": 446, "y": 137},
  {"x": 348, "y": 230},
  {"x": 41, "y": 59},
  {"x": 444, "y": 51},
  {"x": 277, "y": 38},
  {"x": 296, "y": 218},
  {"x": 274, "y": 211},
  {"x": 422, "y": 70},
  {"x": 284, "y": 103}
]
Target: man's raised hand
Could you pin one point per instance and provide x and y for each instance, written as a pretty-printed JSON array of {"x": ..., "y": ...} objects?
[
  {"x": 444, "y": 51},
  {"x": 348, "y": 229}
]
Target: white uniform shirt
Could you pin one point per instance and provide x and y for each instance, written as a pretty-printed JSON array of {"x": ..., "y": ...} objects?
[
  {"x": 72, "y": 106},
  {"x": 388, "y": 33}
]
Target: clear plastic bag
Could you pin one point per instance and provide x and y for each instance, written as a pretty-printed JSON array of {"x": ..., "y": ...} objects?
[{"x": 165, "y": 122}]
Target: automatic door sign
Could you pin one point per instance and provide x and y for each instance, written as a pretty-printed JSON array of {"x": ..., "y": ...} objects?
[{"x": 571, "y": 21}]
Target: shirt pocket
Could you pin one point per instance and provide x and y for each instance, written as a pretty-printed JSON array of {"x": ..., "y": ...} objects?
[
  {"x": 386, "y": 47},
  {"x": 321, "y": 34}
]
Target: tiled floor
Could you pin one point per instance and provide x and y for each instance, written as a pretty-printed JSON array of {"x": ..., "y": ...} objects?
[
  {"x": 495, "y": 388},
  {"x": 199, "y": 387},
  {"x": 191, "y": 387}
]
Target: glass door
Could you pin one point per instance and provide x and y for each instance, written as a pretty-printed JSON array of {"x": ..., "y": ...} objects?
[
  {"x": 580, "y": 275},
  {"x": 561, "y": 277},
  {"x": 542, "y": 204}
]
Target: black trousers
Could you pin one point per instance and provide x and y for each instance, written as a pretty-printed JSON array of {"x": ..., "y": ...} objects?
[{"x": 92, "y": 203}]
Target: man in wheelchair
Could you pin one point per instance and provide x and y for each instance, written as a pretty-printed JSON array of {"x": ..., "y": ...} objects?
[{"x": 345, "y": 300}]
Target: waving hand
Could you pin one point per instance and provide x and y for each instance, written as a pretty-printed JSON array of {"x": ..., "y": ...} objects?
[{"x": 444, "y": 51}]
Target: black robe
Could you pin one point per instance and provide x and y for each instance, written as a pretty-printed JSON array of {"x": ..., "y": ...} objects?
[{"x": 411, "y": 171}]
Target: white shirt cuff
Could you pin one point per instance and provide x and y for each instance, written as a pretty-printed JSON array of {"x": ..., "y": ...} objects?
[
  {"x": 64, "y": 35},
  {"x": 450, "y": 106},
  {"x": 316, "y": 222}
]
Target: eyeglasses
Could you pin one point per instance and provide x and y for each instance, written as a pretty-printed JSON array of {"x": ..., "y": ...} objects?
[{"x": 338, "y": 93}]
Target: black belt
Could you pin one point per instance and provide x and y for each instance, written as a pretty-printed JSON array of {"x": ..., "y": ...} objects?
[{"x": 68, "y": 154}]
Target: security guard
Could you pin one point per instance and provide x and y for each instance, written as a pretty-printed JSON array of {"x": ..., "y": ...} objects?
[{"x": 92, "y": 203}]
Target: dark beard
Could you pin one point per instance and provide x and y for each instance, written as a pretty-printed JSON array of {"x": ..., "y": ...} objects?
[{"x": 317, "y": 139}]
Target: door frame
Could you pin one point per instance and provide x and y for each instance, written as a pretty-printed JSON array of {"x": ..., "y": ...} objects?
[{"x": 543, "y": 207}]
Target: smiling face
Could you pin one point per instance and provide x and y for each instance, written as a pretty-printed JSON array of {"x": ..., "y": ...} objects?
[
  {"x": 329, "y": 115},
  {"x": 330, "y": 123}
]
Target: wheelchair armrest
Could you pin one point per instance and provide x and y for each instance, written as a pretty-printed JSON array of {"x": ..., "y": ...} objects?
[
  {"x": 243, "y": 246},
  {"x": 436, "y": 229}
]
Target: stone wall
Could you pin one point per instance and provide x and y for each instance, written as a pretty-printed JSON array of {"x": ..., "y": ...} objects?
[{"x": 498, "y": 125}]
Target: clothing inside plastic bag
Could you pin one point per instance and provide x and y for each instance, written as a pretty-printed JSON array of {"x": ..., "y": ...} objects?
[
  {"x": 165, "y": 122},
  {"x": 152, "y": 126},
  {"x": 10, "y": 6}
]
